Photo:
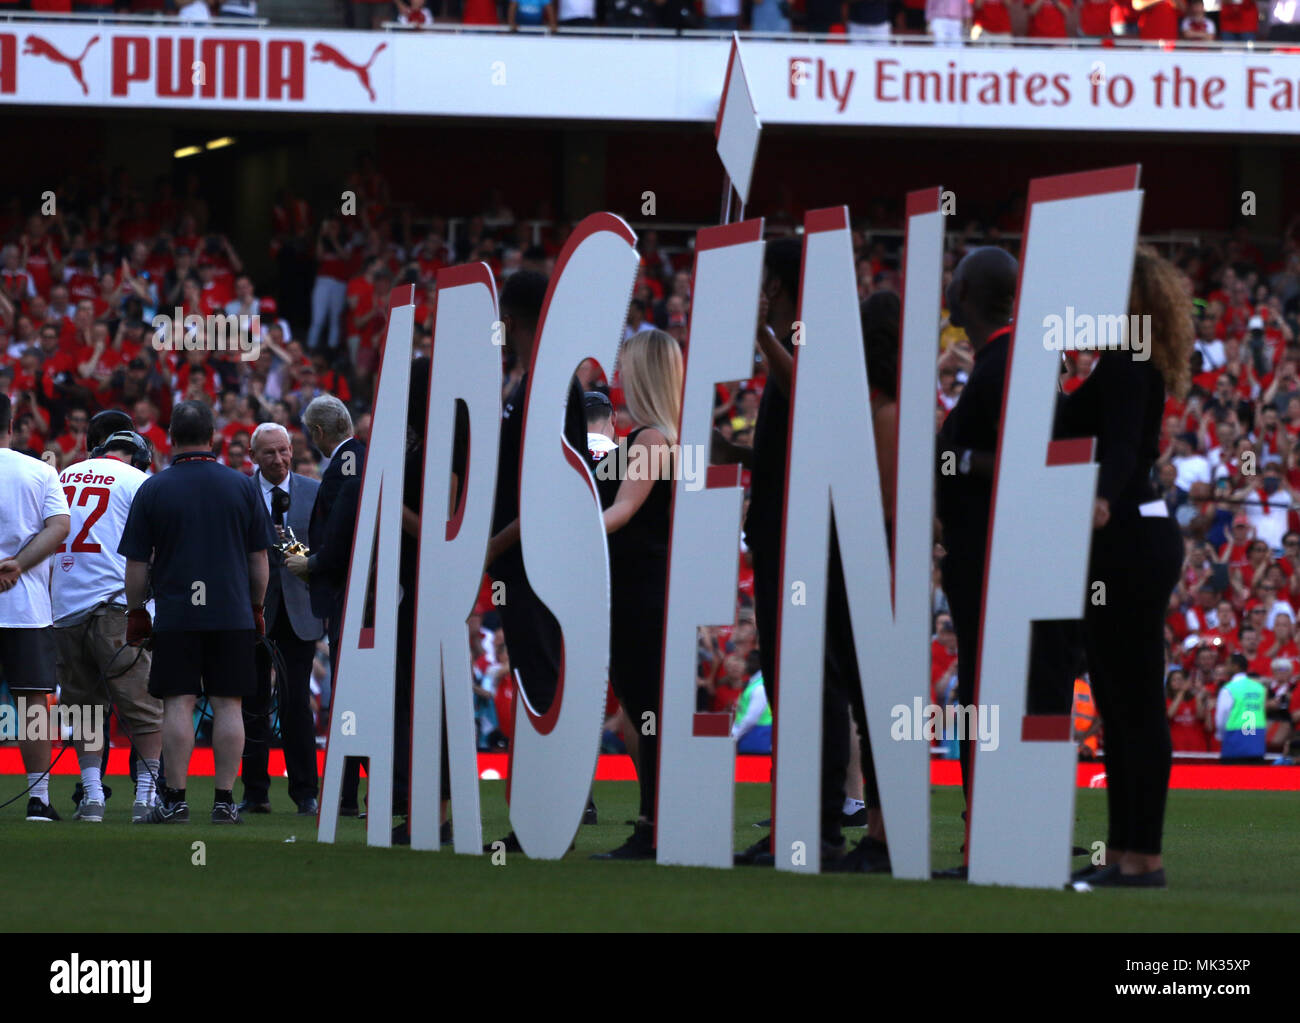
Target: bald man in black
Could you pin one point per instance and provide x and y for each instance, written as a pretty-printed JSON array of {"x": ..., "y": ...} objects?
[{"x": 981, "y": 299}]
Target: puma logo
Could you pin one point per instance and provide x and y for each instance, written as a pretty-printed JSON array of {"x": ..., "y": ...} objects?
[
  {"x": 35, "y": 46},
  {"x": 324, "y": 53}
]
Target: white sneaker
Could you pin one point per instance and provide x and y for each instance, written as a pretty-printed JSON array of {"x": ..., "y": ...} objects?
[
  {"x": 89, "y": 811},
  {"x": 140, "y": 812}
]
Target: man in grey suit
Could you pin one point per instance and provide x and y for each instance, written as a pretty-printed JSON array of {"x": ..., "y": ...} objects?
[{"x": 291, "y": 626}]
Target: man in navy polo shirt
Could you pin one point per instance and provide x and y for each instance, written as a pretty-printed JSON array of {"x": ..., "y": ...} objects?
[{"x": 203, "y": 528}]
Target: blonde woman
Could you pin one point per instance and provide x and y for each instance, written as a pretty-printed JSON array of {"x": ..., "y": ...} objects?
[
  {"x": 636, "y": 522},
  {"x": 1137, "y": 552}
]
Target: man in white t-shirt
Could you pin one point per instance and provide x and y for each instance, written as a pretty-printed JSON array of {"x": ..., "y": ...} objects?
[
  {"x": 722, "y": 14},
  {"x": 1268, "y": 505},
  {"x": 87, "y": 591},
  {"x": 576, "y": 13},
  {"x": 1192, "y": 466},
  {"x": 602, "y": 435},
  {"x": 33, "y": 523}
]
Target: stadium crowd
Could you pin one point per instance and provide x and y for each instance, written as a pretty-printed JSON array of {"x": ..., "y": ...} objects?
[
  {"x": 948, "y": 21},
  {"x": 79, "y": 292}
]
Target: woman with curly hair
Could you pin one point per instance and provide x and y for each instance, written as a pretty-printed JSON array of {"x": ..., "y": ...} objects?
[{"x": 1137, "y": 552}]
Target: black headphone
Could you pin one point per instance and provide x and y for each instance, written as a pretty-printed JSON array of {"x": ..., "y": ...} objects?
[{"x": 141, "y": 457}]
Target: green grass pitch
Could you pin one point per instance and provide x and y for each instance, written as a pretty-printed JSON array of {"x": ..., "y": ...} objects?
[{"x": 121, "y": 877}]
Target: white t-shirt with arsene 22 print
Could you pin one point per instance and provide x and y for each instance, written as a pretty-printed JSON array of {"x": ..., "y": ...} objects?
[
  {"x": 88, "y": 571},
  {"x": 29, "y": 494}
]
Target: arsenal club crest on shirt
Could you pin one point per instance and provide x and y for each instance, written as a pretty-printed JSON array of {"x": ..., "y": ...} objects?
[{"x": 66, "y": 562}]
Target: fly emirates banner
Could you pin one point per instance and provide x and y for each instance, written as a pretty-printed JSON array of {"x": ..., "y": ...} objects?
[{"x": 672, "y": 80}]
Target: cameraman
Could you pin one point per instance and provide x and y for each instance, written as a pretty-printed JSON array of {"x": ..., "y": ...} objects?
[{"x": 90, "y": 612}]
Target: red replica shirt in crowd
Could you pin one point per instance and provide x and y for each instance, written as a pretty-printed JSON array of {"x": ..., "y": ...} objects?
[
  {"x": 1159, "y": 21},
  {"x": 156, "y": 436},
  {"x": 1234, "y": 554},
  {"x": 83, "y": 286},
  {"x": 1186, "y": 729},
  {"x": 994, "y": 17},
  {"x": 1238, "y": 17},
  {"x": 1226, "y": 637},
  {"x": 38, "y": 265},
  {"x": 940, "y": 661},
  {"x": 1261, "y": 664},
  {"x": 364, "y": 293},
  {"x": 235, "y": 426},
  {"x": 336, "y": 385},
  {"x": 724, "y": 697},
  {"x": 480, "y": 12},
  {"x": 335, "y": 266},
  {"x": 429, "y": 267},
  {"x": 216, "y": 293},
  {"x": 1095, "y": 17},
  {"x": 17, "y": 283},
  {"x": 1178, "y": 622},
  {"x": 1048, "y": 22}
]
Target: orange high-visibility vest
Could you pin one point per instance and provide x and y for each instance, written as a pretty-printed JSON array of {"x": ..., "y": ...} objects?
[{"x": 1085, "y": 713}]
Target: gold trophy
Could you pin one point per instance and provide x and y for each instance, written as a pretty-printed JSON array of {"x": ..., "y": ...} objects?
[{"x": 289, "y": 544}]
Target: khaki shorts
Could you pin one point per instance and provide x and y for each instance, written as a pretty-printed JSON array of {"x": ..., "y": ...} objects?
[{"x": 90, "y": 649}]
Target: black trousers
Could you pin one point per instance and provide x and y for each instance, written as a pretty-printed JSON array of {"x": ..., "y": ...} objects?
[
  {"x": 842, "y": 692},
  {"x": 841, "y": 696},
  {"x": 298, "y": 733},
  {"x": 767, "y": 606},
  {"x": 1139, "y": 560},
  {"x": 534, "y": 642},
  {"x": 635, "y": 668},
  {"x": 1054, "y": 649}
]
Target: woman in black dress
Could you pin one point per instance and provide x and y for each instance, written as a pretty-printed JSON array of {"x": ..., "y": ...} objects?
[
  {"x": 637, "y": 521},
  {"x": 1137, "y": 552}
]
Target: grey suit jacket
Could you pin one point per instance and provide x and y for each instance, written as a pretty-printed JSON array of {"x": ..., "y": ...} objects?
[{"x": 297, "y": 599}]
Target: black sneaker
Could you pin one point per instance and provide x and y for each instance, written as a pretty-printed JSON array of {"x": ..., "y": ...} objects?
[
  {"x": 639, "y": 846},
  {"x": 757, "y": 855},
  {"x": 511, "y": 842},
  {"x": 1115, "y": 878},
  {"x": 870, "y": 856},
  {"x": 589, "y": 814},
  {"x": 169, "y": 813},
  {"x": 857, "y": 819},
  {"x": 763, "y": 823},
  {"x": 39, "y": 810},
  {"x": 833, "y": 854},
  {"x": 951, "y": 874},
  {"x": 402, "y": 833},
  {"x": 444, "y": 833},
  {"x": 225, "y": 813},
  {"x": 1087, "y": 873}
]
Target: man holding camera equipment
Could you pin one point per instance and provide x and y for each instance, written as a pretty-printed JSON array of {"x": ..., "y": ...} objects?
[
  {"x": 291, "y": 625},
  {"x": 90, "y": 614},
  {"x": 206, "y": 533}
]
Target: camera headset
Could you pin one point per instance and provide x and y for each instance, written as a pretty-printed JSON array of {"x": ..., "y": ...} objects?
[{"x": 141, "y": 456}]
